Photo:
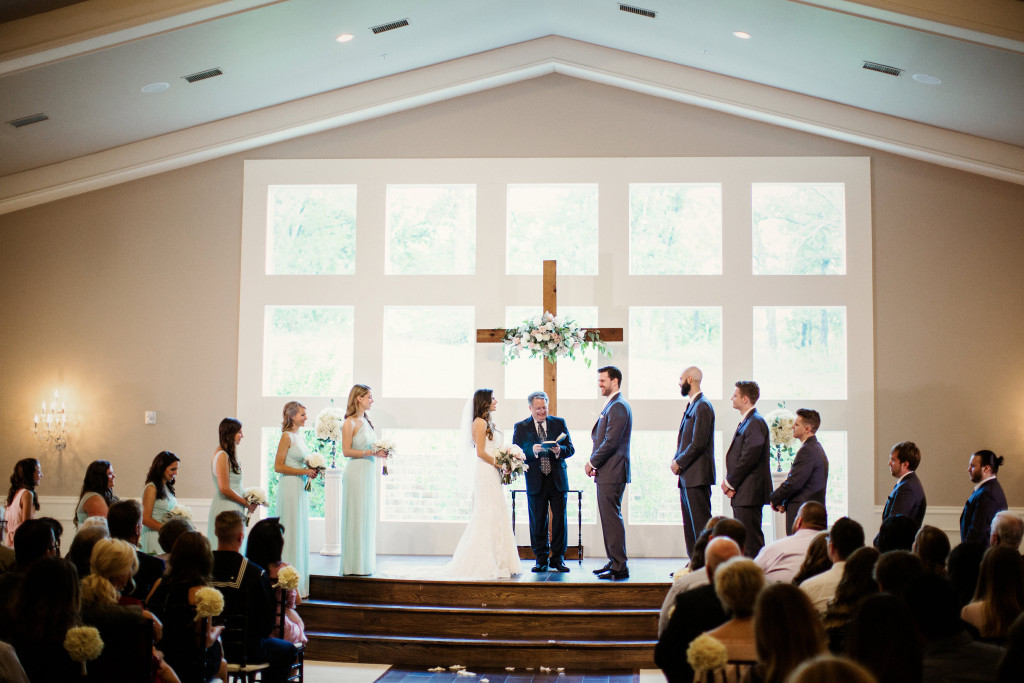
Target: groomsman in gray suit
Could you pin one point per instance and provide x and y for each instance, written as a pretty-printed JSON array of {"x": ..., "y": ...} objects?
[
  {"x": 694, "y": 461},
  {"x": 748, "y": 480},
  {"x": 609, "y": 466},
  {"x": 808, "y": 475}
]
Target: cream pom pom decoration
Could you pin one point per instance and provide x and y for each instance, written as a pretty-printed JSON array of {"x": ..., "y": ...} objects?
[
  {"x": 209, "y": 602},
  {"x": 84, "y": 644},
  {"x": 288, "y": 578},
  {"x": 706, "y": 653}
]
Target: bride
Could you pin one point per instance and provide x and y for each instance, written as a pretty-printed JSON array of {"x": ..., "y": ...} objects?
[{"x": 487, "y": 549}]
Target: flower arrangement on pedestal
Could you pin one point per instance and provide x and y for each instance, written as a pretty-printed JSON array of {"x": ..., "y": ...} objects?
[
  {"x": 328, "y": 430},
  {"x": 783, "y": 443},
  {"x": 551, "y": 337}
]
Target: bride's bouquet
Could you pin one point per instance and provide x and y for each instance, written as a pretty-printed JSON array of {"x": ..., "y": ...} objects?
[
  {"x": 387, "y": 447},
  {"x": 254, "y": 495},
  {"x": 314, "y": 461},
  {"x": 512, "y": 462}
]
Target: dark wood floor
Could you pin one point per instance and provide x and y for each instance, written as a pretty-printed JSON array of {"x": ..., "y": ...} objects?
[{"x": 397, "y": 675}]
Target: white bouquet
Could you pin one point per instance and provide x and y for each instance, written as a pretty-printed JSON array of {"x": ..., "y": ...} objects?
[
  {"x": 512, "y": 462},
  {"x": 551, "y": 337},
  {"x": 182, "y": 511},
  {"x": 387, "y": 447},
  {"x": 209, "y": 602},
  {"x": 780, "y": 428},
  {"x": 329, "y": 423},
  {"x": 315, "y": 461},
  {"x": 287, "y": 578},
  {"x": 254, "y": 495},
  {"x": 83, "y": 644},
  {"x": 706, "y": 653}
]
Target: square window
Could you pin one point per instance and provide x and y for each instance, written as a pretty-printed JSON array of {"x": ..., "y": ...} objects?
[
  {"x": 664, "y": 341},
  {"x": 428, "y": 351},
  {"x": 431, "y": 230},
  {"x": 311, "y": 230},
  {"x": 307, "y": 350},
  {"x": 800, "y": 352},
  {"x": 413, "y": 492},
  {"x": 675, "y": 229},
  {"x": 552, "y": 222},
  {"x": 799, "y": 228}
]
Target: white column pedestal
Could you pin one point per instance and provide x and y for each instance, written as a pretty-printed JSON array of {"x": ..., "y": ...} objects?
[
  {"x": 778, "y": 518},
  {"x": 332, "y": 513}
]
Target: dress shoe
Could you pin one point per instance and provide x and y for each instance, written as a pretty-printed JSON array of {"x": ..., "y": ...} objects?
[
  {"x": 603, "y": 569},
  {"x": 540, "y": 567},
  {"x": 613, "y": 575},
  {"x": 559, "y": 567}
]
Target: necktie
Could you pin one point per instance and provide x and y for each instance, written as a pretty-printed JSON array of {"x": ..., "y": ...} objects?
[
  {"x": 541, "y": 431},
  {"x": 545, "y": 462}
]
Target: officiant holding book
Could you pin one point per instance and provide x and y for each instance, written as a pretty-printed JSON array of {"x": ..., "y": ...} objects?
[{"x": 546, "y": 442}]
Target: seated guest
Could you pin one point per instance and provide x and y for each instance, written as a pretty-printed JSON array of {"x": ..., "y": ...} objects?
[
  {"x": 962, "y": 568},
  {"x": 11, "y": 670},
  {"x": 829, "y": 669},
  {"x": 950, "y": 654},
  {"x": 248, "y": 602},
  {"x": 782, "y": 559},
  {"x": 80, "y": 553},
  {"x": 266, "y": 540},
  {"x": 999, "y": 597},
  {"x": 856, "y": 584},
  {"x": 125, "y": 521},
  {"x": 47, "y": 607},
  {"x": 32, "y": 541},
  {"x": 169, "y": 533},
  {"x": 737, "y": 583},
  {"x": 845, "y": 537},
  {"x": 695, "y": 611},
  {"x": 787, "y": 631},
  {"x": 725, "y": 527},
  {"x": 932, "y": 547},
  {"x": 896, "y": 533},
  {"x": 883, "y": 637},
  {"x": 895, "y": 569},
  {"x": 1007, "y": 529},
  {"x": 816, "y": 561},
  {"x": 696, "y": 559},
  {"x": 1011, "y": 667},
  {"x": 173, "y": 601}
]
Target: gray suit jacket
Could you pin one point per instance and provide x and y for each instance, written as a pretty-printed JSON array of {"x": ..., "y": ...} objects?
[
  {"x": 611, "y": 433},
  {"x": 746, "y": 462},
  {"x": 695, "y": 448},
  {"x": 807, "y": 477}
]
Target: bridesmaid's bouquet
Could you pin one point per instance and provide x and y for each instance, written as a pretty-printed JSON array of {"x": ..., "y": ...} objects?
[
  {"x": 315, "y": 461},
  {"x": 387, "y": 447},
  {"x": 512, "y": 462},
  {"x": 254, "y": 495}
]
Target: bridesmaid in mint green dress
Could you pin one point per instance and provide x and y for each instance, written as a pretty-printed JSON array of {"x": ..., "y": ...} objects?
[
  {"x": 292, "y": 498},
  {"x": 158, "y": 499},
  {"x": 359, "y": 486},
  {"x": 227, "y": 477}
]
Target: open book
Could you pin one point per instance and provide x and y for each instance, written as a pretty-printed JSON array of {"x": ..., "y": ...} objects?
[{"x": 548, "y": 444}]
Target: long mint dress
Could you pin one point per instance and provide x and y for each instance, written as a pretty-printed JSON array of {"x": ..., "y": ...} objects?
[
  {"x": 293, "y": 509},
  {"x": 149, "y": 540},
  {"x": 359, "y": 508},
  {"x": 220, "y": 503}
]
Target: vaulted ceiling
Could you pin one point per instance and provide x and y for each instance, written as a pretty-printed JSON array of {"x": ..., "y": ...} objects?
[{"x": 110, "y": 75}]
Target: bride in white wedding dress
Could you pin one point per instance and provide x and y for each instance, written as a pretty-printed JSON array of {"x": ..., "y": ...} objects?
[{"x": 487, "y": 549}]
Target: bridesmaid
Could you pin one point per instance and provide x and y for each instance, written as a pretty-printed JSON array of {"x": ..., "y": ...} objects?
[
  {"x": 227, "y": 476},
  {"x": 292, "y": 499},
  {"x": 158, "y": 499},
  {"x": 359, "y": 489},
  {"x": 21, "y": 499},
  {"x": 97, "y": 491}
]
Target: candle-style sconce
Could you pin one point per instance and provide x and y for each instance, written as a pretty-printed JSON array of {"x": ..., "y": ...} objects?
[{"x": 51, "y": 426}]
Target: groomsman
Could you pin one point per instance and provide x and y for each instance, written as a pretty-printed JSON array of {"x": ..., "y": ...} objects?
[
  {"x": 808, "y": 476},
  {"x": 694, "y": 461},
  {"x": 609, "y": 466},
  {"x": 546, "y": 480},
  {"x": 907, "y": 496},
  {"x": 986, "y": 500},
  {"x": 748, "y": 480}
]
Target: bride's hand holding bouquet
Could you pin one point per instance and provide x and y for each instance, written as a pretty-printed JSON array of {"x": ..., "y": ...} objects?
[{"x": 511, "y": 462}]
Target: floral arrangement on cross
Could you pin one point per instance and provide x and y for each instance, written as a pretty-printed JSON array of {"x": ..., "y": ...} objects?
[
  {"x": 551, "y": 337},
  {"x": 783, "y": 443}
]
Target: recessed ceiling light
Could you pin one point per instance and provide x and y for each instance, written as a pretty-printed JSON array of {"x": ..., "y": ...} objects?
[
  {"x": 344, "y": 37},
  {"x": 741, "y": 34},
  {"x": 155, "y": 87},
  {"x": 927, "y": 79}
]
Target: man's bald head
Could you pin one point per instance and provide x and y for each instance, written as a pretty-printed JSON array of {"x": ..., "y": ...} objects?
[
  {"x": 689, "y": 381},
  {"x": 694, "y": 373},
  {"x": 812, "y": 515},
  {"x": 718, "y": 551}
]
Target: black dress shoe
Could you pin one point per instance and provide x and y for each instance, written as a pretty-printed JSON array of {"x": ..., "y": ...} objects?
[
  {"x": 603, "y": 569},
  {"x": 559, "y": 567},
  {"x": 613, "y": 575},
  {"x": 539, "y": 567}
]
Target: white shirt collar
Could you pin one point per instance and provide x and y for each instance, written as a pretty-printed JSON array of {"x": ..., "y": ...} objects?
[
  {"x": 903, "y": 477},
  {"x": 610, "y": 399},
  {"x": 694, "y": 398},
  {"x": 746, "y": 414},
  {"x": 980, "y": 483}
]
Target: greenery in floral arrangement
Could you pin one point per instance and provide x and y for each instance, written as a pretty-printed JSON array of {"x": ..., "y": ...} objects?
[
  {"x": 783, "y": 443},
  {"x": 552, "y": 337}
]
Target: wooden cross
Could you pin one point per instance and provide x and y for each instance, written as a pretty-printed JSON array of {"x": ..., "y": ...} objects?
[{"x": 607, "y": 334}]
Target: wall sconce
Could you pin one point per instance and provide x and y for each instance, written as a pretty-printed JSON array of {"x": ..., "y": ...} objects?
[{"x": 51, "y": 426}]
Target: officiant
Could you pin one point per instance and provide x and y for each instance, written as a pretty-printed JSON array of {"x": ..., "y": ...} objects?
[{"x": 546, "y": 442}]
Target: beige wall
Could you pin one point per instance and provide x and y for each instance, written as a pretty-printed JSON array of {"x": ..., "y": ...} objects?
[{"x": 127, "y": 297}]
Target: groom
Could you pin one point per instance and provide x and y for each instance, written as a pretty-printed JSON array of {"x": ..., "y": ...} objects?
[{"x": 546, "y": 481}]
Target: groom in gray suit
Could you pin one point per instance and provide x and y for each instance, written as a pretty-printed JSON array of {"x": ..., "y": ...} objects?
[{"x": 609, "y": 466}]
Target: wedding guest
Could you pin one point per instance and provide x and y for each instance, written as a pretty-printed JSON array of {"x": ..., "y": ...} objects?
[
  {"x": 897, "y": 532},
  {"x": 80, "y": 553},
  {"x": 830, "y": 669},
  {"x": 158, "y": 498},
  {"x": 999, "y": 597},
  {"x": 962, "y": 567},
  {"x": 359, "y": 489},
  {"x": 856, "y": 584},
  {"x": 173, "y": 601},
  {"x": 787, "y": 631},
  {"x": 292, "y": 498},
  {"x": 845, "y": 536},
  {"x": 882, "y": 637},
  {"x": 816, "y": 561},
  {"x": 21, "y": 499},
  {"x": 1011, "y": 667},
  {"x": 737, "y": 583},
  {"x": 58, "y": 529},
  {"x": 97, "y": 491},
  {"x": 896, "y": 569},
  {"x": 227, "y": 475},
  {"x": 932, "y": 545},
  {"x": 11, "y": 670},
  {"x": 33, "y": 541},
  {"x": 263, "y": 548},
  {"x": 1007, "y": 529},
  {"x": 169, "y": 533},
  {"x": 46, "y": 608},
  {"x": 125, "y": 522}
]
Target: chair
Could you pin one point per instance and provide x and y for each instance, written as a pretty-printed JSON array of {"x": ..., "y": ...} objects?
[
  {"x": 297, "y": 672},
  {"x": 236, "y": 638},
  {"x": 127, "y": 652}
]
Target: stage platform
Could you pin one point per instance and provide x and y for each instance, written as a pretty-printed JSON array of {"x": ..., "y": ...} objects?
[{"x": 572, "y": 620}]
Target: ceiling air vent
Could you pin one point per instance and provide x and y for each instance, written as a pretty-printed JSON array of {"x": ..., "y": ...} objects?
[
  {"x": 882, "y": 68},
  {"x": 638, "y": 10},
  {"x": 390, "y": 26},
  {"x": 28, "y": 120},
  {"x": 203, "y": 75}
]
